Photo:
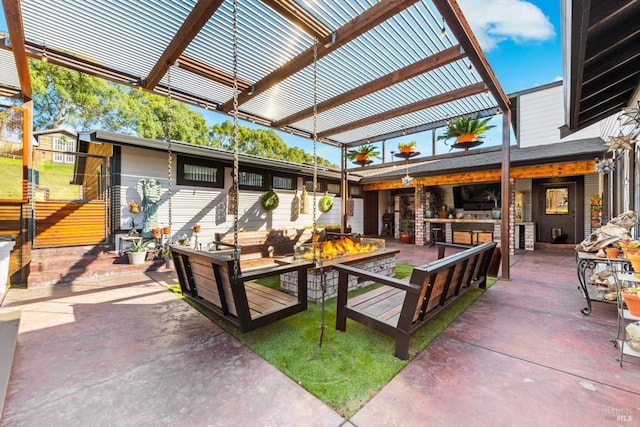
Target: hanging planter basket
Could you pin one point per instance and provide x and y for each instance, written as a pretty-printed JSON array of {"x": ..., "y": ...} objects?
[
  {"x": 269, "y": 201},
  {"x": 326, "y": 203}
]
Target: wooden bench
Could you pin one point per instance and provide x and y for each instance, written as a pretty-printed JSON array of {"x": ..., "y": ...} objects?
[
  {"x": 208, "y": 279},
  {"x": 399, "y": 308}
]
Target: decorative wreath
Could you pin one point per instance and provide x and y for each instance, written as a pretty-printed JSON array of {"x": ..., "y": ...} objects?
[
  {"x": 269, "y": 201},
  {"x": 326, "y": 203}
]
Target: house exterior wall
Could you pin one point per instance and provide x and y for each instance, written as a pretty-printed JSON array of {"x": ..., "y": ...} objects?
[
  {"x": 207, "y": 207},
  {"x": 541, "y": 115}
]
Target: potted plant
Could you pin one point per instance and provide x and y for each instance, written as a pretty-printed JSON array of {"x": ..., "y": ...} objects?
[
  {"x": 363, "y": 153},
  {"x": 632, "y": 299},
  {"x": 466, "y": 129},
  {"x": 406, "y": 228},
  {"x": 134, "y": 207},
  {"x": 596, "y": 199},
  {"x": 137, "y": 252},
  {"x": 166, "y": 256},
  {"x": 612, "y": 251},
  {"x": 494, "y": 197},
  {"x": 407, "y": 147},
  {"x": 629, "y": 247}
]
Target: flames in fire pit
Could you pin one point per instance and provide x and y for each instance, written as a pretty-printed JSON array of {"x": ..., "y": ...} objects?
[{"x": 337, "y": 248}]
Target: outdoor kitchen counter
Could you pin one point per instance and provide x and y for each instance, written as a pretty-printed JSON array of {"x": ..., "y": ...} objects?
[{"x": 468, "y": 231}]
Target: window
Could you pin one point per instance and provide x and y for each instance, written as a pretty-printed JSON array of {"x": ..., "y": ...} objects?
[
  {"x": 251, "y": 180},
  {"x": 283, "y": 182},
  {"x": 200, "y": 172},
  {"x": 557, "y": 201},
  {"x": 63, "y": 144},
  {"x": 355, "y": 191},
  {"x": 324, "y": 186}
]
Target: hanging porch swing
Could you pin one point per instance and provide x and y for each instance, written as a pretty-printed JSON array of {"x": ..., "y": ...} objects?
[{"x": 214, "y": 279}]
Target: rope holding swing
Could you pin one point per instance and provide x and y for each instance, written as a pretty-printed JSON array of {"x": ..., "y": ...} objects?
[
  {"x": 169, "y": 153},
  {"x": 236, "y": 166}
]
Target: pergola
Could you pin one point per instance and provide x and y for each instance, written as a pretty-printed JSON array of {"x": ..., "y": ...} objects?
[{"x": 384, "y": 69}]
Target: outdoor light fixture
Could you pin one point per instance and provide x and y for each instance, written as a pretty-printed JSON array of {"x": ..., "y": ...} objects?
[
  {"x": 331, "y": 41},
  {"x": 619, "y": 142},
  {"x": 44, "y": 57},
  {"x": 443, "y": 32},
  {"x": 604, "y": 166},
  {"x": 252, "y": 89}
]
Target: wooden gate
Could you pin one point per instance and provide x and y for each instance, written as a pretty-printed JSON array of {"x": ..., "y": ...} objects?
[
  {"x": 71, "y": 195},
  {"x": 70, "y": 223}
]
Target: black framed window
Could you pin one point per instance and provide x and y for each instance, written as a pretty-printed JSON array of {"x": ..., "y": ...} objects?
[
  {"x": 283, "y": 182},
  {"x": 324, "y": 186},
  {"x": 252, "y": 179},
  {"x": 355, "y": 191},
  {"x": 200, "y": 172}
]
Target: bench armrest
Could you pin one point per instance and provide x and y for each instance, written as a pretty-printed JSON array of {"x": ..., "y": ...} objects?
[
  {"x": 272, "y": 271},
  {"x": 379, "y": 278}
]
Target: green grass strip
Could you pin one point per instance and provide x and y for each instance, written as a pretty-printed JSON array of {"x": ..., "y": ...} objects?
[{"x": 349, "y": 368}]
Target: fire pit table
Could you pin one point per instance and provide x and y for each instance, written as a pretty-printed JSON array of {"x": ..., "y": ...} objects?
[{"x": 365, "y": 253}]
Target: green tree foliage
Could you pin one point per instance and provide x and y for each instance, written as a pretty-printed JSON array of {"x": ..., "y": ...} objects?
[
  {"x": 69, "y": 99},
  {"x": 260, "y": 142}
]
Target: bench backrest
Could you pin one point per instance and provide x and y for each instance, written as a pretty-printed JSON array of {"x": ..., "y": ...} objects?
[
  {"x": 208, "y": 275},
  {"x": 447, "y": 277},
  {"x": 267, "y": 243}
]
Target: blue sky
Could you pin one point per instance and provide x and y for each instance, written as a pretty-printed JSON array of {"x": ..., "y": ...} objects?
[{"x": 521, "y": 40}]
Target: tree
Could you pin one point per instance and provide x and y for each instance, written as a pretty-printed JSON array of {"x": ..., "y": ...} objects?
[{"x": 67, "y": 98}]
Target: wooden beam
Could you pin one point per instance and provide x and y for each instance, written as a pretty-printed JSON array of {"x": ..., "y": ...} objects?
[
  {"x": 372, "y": 17},
  {"x": 461, "y": 29},
  {"x": 208, "y": 72},
  {"x": 582, "y": 167},
  {"x": 300, "y": 17},
  {"x": 13, "y": 17},
  {"x": 198, "y": 17},
  {"x": 579, "y": 19},
  {"x": 424, "y": 65},
  {"x": 406, "y": 109}
]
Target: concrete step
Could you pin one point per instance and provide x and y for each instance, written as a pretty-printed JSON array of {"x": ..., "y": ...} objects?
[{"x": 50, "y": 267}]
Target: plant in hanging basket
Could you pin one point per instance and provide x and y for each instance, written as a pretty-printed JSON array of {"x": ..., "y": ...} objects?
[
  {"x": 466, "y": 129},
  {"x": 596, "y": 199},
  {"x": 326, "y": 203},
  {"x": 269, "y": 201},
  {"x": 363, "y": 153},
  {"x": 407, "y": 147}
]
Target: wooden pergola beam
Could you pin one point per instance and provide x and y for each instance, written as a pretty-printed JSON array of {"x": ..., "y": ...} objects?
[
  {"x": 519, "y": 172},
  {"x": 406, "y": 109},
  {"x": 198, "y": 17},
  {"x": 432, "y": 62},
  {"x": 299, "y": 17},
  {"x": 13, "y": 17},
  {"x": 208, "y": 72},
  {"x": 461, "y": 29},
  {"x": 372, "y": 17}
]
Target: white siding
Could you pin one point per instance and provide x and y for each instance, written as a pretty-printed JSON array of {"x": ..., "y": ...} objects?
[
  {"x": 541, "y": 114},
  {"x": 208, "y": 206},
  {"x": 591, "y": 187}
]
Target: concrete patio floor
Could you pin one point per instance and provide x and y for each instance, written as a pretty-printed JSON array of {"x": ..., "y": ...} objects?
[{"x": 125, "y": 352}]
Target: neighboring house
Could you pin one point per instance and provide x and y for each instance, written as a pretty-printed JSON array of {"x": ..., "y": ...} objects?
[
  {"x": 54, "y": 144},
  {"x": 544, "y": 165},
  {"x": 201, "y": 178}
]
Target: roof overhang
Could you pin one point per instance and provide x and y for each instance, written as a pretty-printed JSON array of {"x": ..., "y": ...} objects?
[{"x": 601, "y": 58}]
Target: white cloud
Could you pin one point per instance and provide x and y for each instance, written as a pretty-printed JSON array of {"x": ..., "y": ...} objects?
[{"x": 494, "y": 21}]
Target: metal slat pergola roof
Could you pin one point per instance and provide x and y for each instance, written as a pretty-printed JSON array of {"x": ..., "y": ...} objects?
[{"x": 384, "y": 68}]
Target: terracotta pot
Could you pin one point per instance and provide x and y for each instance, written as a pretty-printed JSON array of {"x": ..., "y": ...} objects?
[
  {"x": 635, "y": 262},
  {"x": 406, "y": 238},
  {"x": 166, "y": 230},
  {"x": 632, "y": 300},
  {"x": 157, "y": 232},
  {"x": 196, "y": 228},
  {"x": 467, "y": 137},
  {"x": 630, "y": 251},
  {"x": 612, "y": 253},
  {"x": 362, "y": 157},
  {"x": 407, "y": 149},
  {"x": 134, "y": 208}
]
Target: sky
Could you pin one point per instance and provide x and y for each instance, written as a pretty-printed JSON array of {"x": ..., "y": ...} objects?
[{"x": 521, "y": 40}]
